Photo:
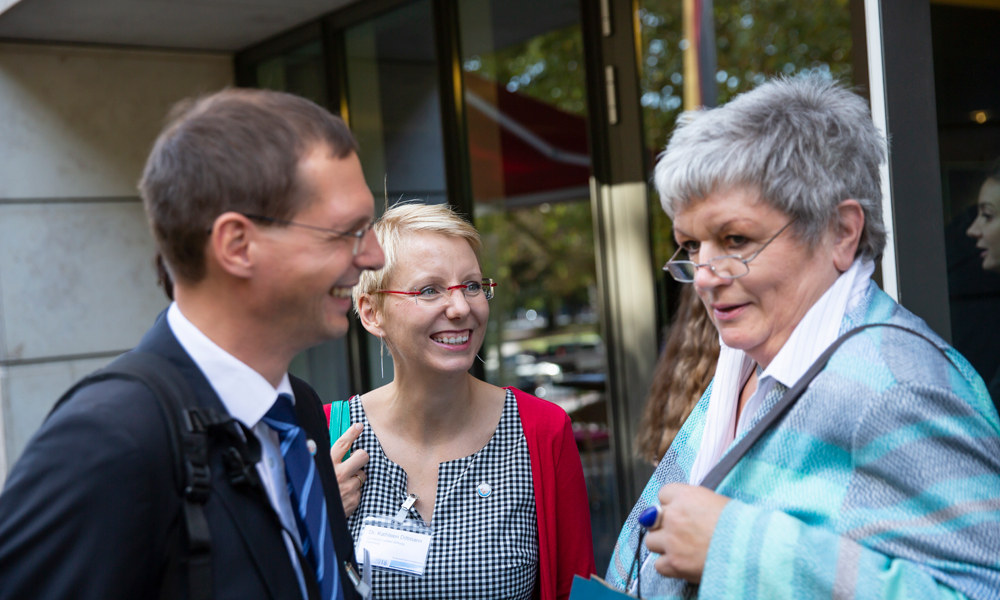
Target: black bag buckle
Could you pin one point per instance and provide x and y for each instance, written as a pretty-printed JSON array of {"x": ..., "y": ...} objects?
[
  {"x": 240, "y": 473},
  {"x": 197, "y": 480}
]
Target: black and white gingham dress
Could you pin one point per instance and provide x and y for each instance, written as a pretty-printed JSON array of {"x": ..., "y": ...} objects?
[{"x": 482, "y": 547}]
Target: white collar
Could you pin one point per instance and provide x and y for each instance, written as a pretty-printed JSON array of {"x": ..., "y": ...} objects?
[
  {"x": 244, "y": 392},
  {"x": 820, "y": 327},
  {"x": 815, "y": 332}
]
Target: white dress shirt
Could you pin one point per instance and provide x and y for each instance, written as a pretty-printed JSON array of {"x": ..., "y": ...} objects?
[
  {"x": 247, "y": 396},
  {"x": 815, "y": 332}
]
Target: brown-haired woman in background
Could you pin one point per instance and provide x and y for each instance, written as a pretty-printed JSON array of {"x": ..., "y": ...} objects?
[{"x": 684, "y": 371}]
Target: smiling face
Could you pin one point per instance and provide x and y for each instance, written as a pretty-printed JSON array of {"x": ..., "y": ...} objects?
[
  {"x": 305, "y": 276},
  {"x": 438, "y": 338},
  {"x": 986, "y": 228},
  {"x": 755, "y": 313}
]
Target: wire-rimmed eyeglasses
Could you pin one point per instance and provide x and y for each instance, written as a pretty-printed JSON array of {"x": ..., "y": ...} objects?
[
  {"x": 730, "y": 266},
  {"x": 433, "y": 295},
  {"x": 358, "y": 235}
]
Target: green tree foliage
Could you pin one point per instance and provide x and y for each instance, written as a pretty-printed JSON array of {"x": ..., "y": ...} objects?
[
  {"x": 547, "y": 67},
  {"x": 543, "y": 254},
  {"x": 755, "y": 39}
]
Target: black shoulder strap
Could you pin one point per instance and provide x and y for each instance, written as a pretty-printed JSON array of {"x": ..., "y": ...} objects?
[
  {"x": 187, "y": 426},
  {"x": 719, "y": 472}
]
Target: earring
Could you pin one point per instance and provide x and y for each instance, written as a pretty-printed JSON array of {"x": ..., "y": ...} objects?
[
  {"x": 480, "y": 358},
  {"x": 385, "y": 190},
  {"x": 381, "y": 354}
]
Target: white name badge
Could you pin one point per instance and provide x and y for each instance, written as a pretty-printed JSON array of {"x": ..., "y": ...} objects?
[{"x": 394, "y": 546}]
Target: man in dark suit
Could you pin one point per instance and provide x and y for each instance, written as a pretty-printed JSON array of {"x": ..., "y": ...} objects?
[{"x": 262, "y": 215}]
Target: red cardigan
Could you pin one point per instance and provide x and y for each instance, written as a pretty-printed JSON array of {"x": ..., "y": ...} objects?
[{"x": 565, "y": 545}]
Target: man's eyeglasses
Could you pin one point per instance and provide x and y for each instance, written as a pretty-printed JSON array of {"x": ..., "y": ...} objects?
[
  {"x": 359, "y": 235},
  {"x": 435, "y": 295},
  {"x": 730, "y": 266}
]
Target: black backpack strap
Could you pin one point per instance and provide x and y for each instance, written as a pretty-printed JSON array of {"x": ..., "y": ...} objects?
[
  {"x": 719, "y": 472},
  {"x": 188, "y": 427}
]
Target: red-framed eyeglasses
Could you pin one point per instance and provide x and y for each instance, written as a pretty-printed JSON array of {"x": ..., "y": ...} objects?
[{"x": 436, "y": 294}]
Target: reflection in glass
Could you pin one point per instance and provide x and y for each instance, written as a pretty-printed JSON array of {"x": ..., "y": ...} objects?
[
  {"x": 966, "y": 63},
  {"x": 525, "y": 93},
  {"x": 324, "y": 367},
  {"x": 394, "y": 105},
  {"x": 298, "y": 71},
  {"x": 394, "y": 110}
]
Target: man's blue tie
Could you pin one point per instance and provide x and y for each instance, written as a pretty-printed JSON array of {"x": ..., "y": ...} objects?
[{"x": 306, "y": 493}]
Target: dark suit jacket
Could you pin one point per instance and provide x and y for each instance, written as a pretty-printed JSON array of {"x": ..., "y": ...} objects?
[{"x": 91, "y": 509}]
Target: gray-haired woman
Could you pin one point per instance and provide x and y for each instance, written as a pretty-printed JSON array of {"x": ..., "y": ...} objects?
[{"x": 883, "y": 479}]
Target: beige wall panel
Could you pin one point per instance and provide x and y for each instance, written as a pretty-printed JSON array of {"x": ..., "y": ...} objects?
[
  {"x": 76, "y": 275},
  {"x": 30, "y": 391},
  {"x": 75, "y": 278},
  {"x": 80, "y": 121}
]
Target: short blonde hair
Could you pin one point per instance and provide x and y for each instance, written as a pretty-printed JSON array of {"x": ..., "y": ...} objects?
[{"x": 403, "y": 219}]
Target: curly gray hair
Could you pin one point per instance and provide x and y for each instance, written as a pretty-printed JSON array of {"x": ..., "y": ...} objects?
[{"x": 804, "y": 144}]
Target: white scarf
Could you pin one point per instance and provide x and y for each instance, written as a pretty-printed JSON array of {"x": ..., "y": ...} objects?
[{"x": 815, "y": 332}]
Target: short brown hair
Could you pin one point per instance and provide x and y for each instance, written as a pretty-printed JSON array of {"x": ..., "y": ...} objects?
[{"x": 235, "y": 150}]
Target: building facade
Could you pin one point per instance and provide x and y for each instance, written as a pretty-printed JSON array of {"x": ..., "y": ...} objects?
[{"x": 540, "y": 120}]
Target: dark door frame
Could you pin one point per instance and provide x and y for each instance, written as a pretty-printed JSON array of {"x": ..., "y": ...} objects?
[
  {"x": 915, "y": 174},
  {"x": 610, "y": 34}
]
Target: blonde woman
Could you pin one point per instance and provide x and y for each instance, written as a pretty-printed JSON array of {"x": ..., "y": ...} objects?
[{"x": 494, "y": 472}]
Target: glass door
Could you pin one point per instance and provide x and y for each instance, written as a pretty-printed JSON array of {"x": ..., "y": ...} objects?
[
  {"x": 527, "y": 117},
  {"x": 394, "y": 110},
  {"x": 298, "y": 70},
  {"x": 966, "y": 55}
]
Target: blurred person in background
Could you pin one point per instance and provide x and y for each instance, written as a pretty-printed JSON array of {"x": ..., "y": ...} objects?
[
  {"x": 684, "y": 370},
  {"x": 883, "y": 479},
  {"x": 986, "y": 228},
  {"x": 494, "y": 471},
  {"x": 986, "y": 231}
]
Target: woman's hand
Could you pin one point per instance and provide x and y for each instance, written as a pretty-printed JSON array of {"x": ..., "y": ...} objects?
[
  {"x": 350, "y": 476},
  {"x": 681, "y": 535}
]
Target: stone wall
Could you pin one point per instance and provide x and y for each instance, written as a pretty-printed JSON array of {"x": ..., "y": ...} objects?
[{"x": 77, "y": 285}]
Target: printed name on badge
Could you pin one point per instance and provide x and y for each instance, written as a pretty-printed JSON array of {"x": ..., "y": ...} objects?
[{"x": 393, "y": 546}]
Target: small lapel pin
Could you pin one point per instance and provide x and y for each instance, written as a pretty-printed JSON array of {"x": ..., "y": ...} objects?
[
  {"x": 311, "y": 445},
  {"x": 484, "y": 490}
]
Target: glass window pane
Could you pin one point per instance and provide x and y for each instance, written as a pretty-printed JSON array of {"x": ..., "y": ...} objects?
[
  {"x": 966, "y": 57},
  {"x": 525, "y": 94},
  {"x": 394, "y": 110},
  {"x": 394, "y": 103},
  {"x": 298, "y": 71},
  {"x": 324, "y": 367}
]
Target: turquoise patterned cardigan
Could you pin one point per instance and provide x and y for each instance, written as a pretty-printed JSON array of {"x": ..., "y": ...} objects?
[{"x": 883, "y": 481}]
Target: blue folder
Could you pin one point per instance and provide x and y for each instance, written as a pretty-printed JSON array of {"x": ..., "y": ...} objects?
[{"x": 594, "y": 589}]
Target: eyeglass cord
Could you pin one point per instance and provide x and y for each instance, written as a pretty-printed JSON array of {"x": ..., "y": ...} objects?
[{"x": 637, "y": 565}]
